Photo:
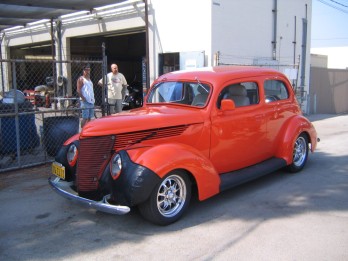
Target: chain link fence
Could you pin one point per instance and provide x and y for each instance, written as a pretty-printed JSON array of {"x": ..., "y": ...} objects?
[{"x": 39, "y": 108}]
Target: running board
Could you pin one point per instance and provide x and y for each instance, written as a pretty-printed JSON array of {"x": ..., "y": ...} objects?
[{"x": 237, "y": 177}]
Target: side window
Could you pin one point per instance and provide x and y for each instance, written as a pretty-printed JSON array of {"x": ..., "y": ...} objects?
[
  {"x": 243, "y": 94},
  {"x": 275, "y": 90}
]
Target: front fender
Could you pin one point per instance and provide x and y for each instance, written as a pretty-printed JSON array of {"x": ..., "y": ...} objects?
[
  {"x": 164, "y": 158},
  {"x": 72, "y": 139},
  {"x": 294, "y": 127}
]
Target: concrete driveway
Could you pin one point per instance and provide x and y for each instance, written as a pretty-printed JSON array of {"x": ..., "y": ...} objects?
[{"x": 278, "y": 217}]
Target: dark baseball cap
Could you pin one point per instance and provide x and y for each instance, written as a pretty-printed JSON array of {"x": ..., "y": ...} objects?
[{"x": 86, "y": 66}]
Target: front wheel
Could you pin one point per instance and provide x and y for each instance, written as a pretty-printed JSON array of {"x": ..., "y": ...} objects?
[
  {"x": 169, "y": 199},
  {"x": 300, "y": 154}
]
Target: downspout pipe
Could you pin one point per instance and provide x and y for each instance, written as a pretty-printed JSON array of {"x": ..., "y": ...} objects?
[
  {"x": 294, "y": 42},
  {"x": 304, "y": 51},
  {"x": 275, "y": 22},
  {"x": 147, "y": 62}
]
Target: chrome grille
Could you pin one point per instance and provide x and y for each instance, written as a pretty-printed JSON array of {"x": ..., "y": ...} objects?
[{"x": 93, "y": 157}]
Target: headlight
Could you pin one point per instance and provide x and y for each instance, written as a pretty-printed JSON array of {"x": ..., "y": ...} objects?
[
  {"x": 116, "y": 166},
  {"x": 72, "y": 154}
]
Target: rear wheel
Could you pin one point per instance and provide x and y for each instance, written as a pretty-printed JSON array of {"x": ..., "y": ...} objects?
[
  {"x": 300, "y": 154},
  {"x": 169, "y": 199}
]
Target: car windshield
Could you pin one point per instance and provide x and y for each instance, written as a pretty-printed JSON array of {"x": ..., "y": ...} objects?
[{"x": 188, "y": 93}]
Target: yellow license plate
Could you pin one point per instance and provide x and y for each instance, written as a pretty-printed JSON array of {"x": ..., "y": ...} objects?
[{"x": 58, "y": 170}]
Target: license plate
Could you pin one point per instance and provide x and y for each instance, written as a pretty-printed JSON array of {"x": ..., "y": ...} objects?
[{"x": 58, "y": 170}]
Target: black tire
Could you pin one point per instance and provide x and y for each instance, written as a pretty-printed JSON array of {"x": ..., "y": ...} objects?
[
  {"x": 169, "y": 199},
  {"x": 300, "y": 154}
]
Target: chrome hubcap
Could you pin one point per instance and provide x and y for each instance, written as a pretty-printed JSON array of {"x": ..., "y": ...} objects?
[
  {"x": 171, "y": 196},
  {"x": 300, "y": 151}
]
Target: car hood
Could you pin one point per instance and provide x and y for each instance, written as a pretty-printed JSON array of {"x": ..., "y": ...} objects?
[{"x": 146, "y": 118}]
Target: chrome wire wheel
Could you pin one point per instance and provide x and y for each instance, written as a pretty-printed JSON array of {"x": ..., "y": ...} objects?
[
  {"x": 300, "y": 151},
  {"x": 171, "y": 196},
  {"x": 168, "y": 200}
]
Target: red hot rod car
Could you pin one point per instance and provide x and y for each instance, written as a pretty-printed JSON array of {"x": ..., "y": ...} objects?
[{"x": 211, "y": 128}]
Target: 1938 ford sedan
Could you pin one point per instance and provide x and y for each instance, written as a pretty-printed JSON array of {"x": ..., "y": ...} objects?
[{"x": 211, "y": 128}]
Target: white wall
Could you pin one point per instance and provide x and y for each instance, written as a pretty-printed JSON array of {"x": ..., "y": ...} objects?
[
  {"x": 319, "y": 60},
  {"x": 243, "y": 32},
  {"x": 180, "y": 26},
  {"x": 246, "y": 30}
]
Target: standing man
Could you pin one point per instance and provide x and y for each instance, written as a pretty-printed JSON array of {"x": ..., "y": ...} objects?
[
  {"x": 117, "y": 88},
  {"x": 86, "y": 93}
]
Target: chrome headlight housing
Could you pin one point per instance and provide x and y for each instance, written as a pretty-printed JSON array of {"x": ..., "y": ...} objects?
[
  {"x": 116, "y": 166},
  {"x": 72, "y": 154}
]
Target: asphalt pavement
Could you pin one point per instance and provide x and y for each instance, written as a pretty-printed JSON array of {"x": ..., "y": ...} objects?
[{"x": 282, "y": 216}]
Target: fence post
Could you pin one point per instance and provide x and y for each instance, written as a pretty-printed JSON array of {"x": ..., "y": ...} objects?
[
  {"x": 2, "y": 70},
  {"x": 15, "y": 101},
  {"x": 104, "y": 87}
]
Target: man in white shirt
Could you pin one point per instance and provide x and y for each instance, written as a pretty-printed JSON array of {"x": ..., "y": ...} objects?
[
  {"x": 86, "y": 93},
  {"x": 117, "y": 88}
]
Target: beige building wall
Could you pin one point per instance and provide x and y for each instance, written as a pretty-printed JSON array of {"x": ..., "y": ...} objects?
[
  {"x": 328, "y": 91},
  {"x": 319, "y": 60}
]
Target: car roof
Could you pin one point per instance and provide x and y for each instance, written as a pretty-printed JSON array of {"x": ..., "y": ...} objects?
[{"x": 219, "y": 73}]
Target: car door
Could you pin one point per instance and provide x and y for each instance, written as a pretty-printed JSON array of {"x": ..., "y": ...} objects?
[
  {"x": 238, "y": 136},
  {"x": 278, "y": 108}
]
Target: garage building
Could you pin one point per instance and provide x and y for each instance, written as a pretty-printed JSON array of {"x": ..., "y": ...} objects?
[{"x": 147, "y": 38}]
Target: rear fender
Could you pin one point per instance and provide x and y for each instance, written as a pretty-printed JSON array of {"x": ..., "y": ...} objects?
[
  {"x": 164, "y": 158},
  {"x": 293, "y": 129}
]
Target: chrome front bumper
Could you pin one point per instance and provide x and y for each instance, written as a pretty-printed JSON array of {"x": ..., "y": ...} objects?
[{"x": 63, "y": 188}]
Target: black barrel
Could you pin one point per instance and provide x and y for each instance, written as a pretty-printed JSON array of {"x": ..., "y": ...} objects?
[{"x": 56, "y": 130}]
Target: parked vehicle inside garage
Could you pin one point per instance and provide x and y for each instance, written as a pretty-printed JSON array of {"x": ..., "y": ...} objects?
[{"x": 210, "y": 128}]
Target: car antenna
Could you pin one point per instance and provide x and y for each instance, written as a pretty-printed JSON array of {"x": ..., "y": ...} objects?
[{"x": 199, "y": 83}]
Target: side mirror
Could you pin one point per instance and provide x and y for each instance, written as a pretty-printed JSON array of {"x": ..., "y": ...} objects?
[{"x": 227, "y": 105}]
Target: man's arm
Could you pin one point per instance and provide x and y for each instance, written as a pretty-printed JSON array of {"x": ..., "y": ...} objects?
[
  {"x": 100, "y": 82},
  {"x": 79, "y": 85},
  {"x": 124, "y": 81},
  {"x": 124, "y": 86}
]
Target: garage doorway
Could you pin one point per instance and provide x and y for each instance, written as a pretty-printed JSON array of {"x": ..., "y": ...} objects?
[
  {"x": 169, "y": 62},
  {"x": 127, "y": 49}
]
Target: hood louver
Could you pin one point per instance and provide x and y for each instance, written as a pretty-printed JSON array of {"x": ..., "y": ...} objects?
[{"x": 126, "y": 139}]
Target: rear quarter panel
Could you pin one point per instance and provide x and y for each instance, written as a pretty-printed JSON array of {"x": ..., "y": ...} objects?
[{"x": 289, "y": 133}]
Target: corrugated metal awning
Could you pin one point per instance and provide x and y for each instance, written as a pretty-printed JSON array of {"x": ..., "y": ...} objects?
[{"x": 21, "y": 12}]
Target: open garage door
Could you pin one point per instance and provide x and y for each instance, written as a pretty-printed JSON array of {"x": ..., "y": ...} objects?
[{"x": 126, "y": 49}]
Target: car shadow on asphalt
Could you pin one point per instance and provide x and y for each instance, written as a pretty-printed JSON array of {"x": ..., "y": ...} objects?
[{"x": 320, "y": 187}]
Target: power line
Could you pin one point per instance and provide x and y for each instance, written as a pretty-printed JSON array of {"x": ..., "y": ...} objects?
[
  {"x": 333, "y": 6},
  {"x": 338, "y": 3}
]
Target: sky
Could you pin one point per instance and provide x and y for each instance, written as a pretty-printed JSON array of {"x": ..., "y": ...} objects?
[{"x": 330, "y": 31}]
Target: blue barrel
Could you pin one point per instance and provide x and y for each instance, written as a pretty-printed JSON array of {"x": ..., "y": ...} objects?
[{"x": 28, "y": 136}]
